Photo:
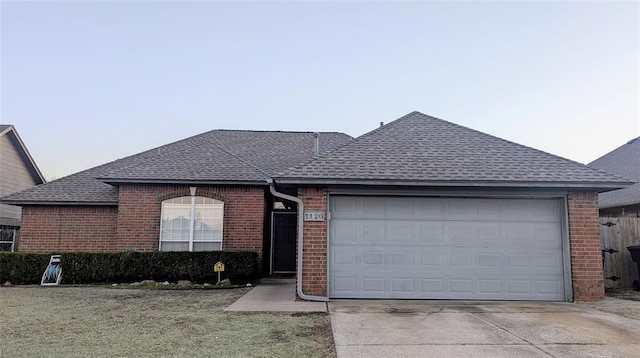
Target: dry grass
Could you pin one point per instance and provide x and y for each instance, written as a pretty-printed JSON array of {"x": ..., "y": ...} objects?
[
  {"x": 104, "y": 322},
  {"x": 624, "y": 311},
  {"x": 626, "y": 294},
  {"x": 629, "y": 312}
]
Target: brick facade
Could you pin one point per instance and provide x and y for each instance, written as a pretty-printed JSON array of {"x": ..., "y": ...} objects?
[
  {"x": 135, "y": 223},
  {"x": 314, "y": 263},
  {"x": 139, "y": 215},
  {"x": 584, "y": 241},
  {"x": 68, "y": 228}
]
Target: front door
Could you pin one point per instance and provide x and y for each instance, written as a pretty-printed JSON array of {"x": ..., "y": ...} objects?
[{"x": 284, "y": 242}]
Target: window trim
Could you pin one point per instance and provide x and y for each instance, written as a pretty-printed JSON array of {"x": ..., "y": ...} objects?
[
  {"x": 14, "y": 236},
  {"x": 192, "y": 223}
]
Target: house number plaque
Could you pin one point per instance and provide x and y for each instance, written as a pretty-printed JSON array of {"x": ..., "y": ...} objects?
[{"x": 313, "y": 215}]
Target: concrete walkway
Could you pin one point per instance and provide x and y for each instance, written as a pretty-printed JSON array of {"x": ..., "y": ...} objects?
[
  {"x": 275, "y": 295},
  {"x": 395, "y": 328}
]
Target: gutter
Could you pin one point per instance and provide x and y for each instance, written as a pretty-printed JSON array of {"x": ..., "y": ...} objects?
[
  {"x": 301, "y": 294},
  {"x": 595, "y": 186},
  {"x": 58, "y": 203},
  {"x": 119, "y": 181}
]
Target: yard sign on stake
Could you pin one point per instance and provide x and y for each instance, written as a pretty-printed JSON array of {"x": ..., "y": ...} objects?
[{"x": 218, "y": 267}]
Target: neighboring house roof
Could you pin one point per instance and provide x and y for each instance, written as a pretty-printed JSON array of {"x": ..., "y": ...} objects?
[
  {"x": 10, "y": 130},
  {"x": 421, "y": 150},
  {"x": 625, "y": 162},
  {"x": 214, "y": 157}
]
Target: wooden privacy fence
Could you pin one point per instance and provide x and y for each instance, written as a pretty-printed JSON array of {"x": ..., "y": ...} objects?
[{"x": 620, "y": 233}]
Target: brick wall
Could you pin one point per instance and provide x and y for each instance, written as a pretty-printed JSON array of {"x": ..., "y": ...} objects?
[
  {"x": 314, "y": 266},
  {"x": 68, "y": 228},
  {"x": 135, "y": 223},
  {"x": 585, "y": 247},
  {"x": 139, "y": 215}
]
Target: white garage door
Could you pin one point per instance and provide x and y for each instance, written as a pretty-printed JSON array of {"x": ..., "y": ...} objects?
[{"x": 445, "y": 248}]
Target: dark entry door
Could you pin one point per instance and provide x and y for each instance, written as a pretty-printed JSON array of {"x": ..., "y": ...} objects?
[{"x": 284, "y": 242}]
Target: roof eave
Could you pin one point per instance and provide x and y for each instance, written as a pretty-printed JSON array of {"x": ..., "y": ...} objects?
[
  {"x": 618, "y": 205},
  {"x": 594, "y": 186},
  {"x": 119, "y": 181},
  {"x": 59, "y": 203}
]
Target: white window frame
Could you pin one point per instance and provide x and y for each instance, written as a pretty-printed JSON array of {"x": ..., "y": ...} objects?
[
  {"x": 13, "y": 237},
  {"x": 192, "y": 223}
]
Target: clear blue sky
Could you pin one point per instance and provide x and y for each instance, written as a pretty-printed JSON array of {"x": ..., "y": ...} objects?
[{"x": 88, "y": 82}]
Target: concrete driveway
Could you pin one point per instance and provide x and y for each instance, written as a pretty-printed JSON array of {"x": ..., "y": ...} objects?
[{"x": 393, "y": 328}]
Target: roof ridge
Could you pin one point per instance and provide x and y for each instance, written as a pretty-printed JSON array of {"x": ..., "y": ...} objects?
[
  {"x": 514, "y": 143},
  {"x": 366, "y": 158},
  {"x": 208, "y": 143},
  {"x": 352, "y": 142},
  {"x": 274, "y": 131},
  {"x": 240, "y": 159},
  {"x": 312, "y": 159}
]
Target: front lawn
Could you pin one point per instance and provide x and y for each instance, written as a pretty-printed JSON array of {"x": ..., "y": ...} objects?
[
  {"x": 631, "y": 311},
  {"x": 105, "y": 322}
]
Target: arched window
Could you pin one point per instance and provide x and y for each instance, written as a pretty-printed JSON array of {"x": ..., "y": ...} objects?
[{"x": 191, "y": 223}]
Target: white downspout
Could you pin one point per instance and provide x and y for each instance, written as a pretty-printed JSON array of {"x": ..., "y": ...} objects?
[{"x": 300, "y": 242}]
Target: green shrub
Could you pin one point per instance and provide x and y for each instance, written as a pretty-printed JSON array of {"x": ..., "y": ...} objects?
[
  {"x": 83, "y": 267},
  {"x": 22, "y": 268}
]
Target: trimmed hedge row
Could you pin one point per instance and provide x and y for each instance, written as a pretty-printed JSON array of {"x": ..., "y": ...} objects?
[{"x": 83, "y": 268}]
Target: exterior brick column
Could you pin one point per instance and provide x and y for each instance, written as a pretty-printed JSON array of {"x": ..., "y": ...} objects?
[
  {"x": 585, "y": 247},
  {"x": 314, "y": 265}
]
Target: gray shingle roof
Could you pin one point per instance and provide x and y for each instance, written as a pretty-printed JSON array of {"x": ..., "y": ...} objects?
[
  {"x": 422, "y": 150},
  {"x": 218, "y": 156},
  {"x": 81, "y": 187},
  {"x": 625, "y": 162}
]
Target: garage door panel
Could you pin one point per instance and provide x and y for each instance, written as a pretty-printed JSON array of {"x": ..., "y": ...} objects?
[
  {"x": 430, "y": 231},
  {"x": 490, "y": 260},
  {"x": 405, "y": 285},
  {"x": 445, "y": 258},
  {"x": 346, "y": 256},
  {"x": 432, "y": 285},
  {"x": 344, "y": 285},
  {"x": 532, "y": 210},
  {"x": 430, "y": 209},
  {"x": 547, "y": 233},
  {"x": 403, "y": 258},
  {"x": 426, "y": 248},
  {"x": 552, "y": 261},
  {"x": 489, "y": 232},
  {"x": 402, "y": 231},
  {"x": 461, "y": 233},
  {"x": 344, "y": 231},
  {"x": 344, "y": 206},
  {"x": 461, "y": 209},
  {"x": 399, "y": 285},
  {"x": 430, "y": 258},
  {"x": 532, "y": 235},
  {"x": 371, "y": 257},
  {"x": 489, "y": 286},
  {"x": 373, "y": 284}
]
